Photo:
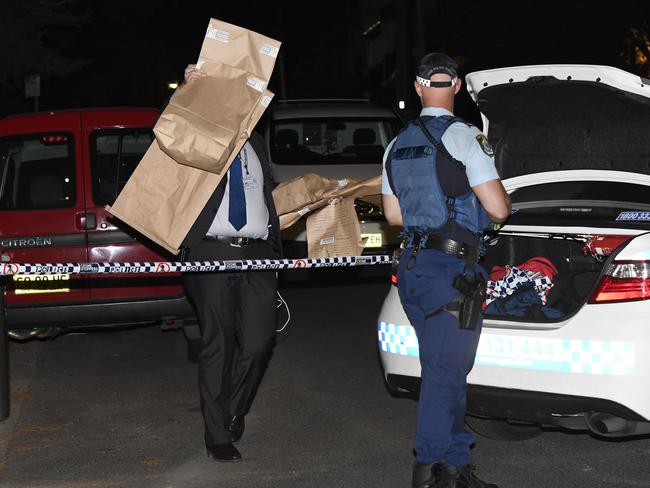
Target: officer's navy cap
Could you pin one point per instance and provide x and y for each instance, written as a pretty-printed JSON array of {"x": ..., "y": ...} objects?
[{"x": 434, "y": 63}]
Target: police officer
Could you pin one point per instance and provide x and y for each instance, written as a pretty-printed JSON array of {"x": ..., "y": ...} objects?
[{"x": 440, "y": 183}]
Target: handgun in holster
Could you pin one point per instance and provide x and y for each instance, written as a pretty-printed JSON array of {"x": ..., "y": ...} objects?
[
  {"x": 470, "y": 300},
  {"x": 467, "y": 305}
]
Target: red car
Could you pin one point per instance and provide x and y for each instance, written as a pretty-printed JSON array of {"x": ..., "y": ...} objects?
[{"x": 57, "y": 172}]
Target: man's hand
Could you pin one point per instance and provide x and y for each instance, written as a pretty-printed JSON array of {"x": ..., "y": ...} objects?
[{"x": 193, "y": 73}]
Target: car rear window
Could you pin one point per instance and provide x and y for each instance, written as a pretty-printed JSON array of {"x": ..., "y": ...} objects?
[
  {"x": 331, "y": 141},
  {"x": 592, "y": 203},
  {"x": 37, "y": 172},
  {"x": 114, "y": 154}
]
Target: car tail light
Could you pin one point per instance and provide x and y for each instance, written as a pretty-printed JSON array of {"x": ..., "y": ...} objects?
[
  {"x": 393, "y": 277},
  {"x": 624, "y": 282},
  {"x": 393, "y": 268}
]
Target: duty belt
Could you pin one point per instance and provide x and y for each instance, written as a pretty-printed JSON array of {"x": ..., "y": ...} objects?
[
  {"x": 233, "y": 241},
  {"x": 449, "y": 246}
]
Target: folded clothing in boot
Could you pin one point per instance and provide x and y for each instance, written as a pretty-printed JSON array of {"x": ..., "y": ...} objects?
[{"x": 537, "y": 272}]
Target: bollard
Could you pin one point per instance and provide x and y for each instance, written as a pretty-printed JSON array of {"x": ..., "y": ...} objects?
[{"x": 5, "y": 391}]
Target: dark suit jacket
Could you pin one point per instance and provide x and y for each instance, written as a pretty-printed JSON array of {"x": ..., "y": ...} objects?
[{"x": 202, "y": 224}]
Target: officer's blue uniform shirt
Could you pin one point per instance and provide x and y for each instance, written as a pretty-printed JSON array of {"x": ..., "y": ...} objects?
[{"x": 461, "y": 142}]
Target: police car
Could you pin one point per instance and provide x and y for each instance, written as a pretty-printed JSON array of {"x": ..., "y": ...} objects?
[{"x": 565, "y": 343}]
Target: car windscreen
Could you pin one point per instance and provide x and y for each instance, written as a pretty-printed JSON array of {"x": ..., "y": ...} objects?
[
  {"x": 114, "y": 155},
  {"x": 582, "y": 203},
  {"x": 331, "y": 141},
  {"x": 37, "y": 172}
]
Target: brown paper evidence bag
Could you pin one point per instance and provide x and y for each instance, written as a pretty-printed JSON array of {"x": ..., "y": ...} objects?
[
  {"x": 204, "y": 127},
  {"x": 332, "y": 224},
  {"x": 202, "y": 124}
]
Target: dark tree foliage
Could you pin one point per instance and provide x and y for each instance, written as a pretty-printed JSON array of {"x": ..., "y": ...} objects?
[
  {"x": 125, "y": 52},
  {"x": 36, "y": 36},
  {"x": 515, "y": 32},
  {"x": 636, "y": 50}
]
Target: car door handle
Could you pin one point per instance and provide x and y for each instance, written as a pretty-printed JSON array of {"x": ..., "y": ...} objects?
[{"x": 85, "y": 221}]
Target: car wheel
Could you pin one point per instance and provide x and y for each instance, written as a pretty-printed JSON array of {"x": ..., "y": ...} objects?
[{"x": 502, "y": 430}]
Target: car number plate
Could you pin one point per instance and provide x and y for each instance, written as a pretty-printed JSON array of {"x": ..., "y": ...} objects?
[
  {"x": 374, "y": 240},
  {"x": 51, "y": 283}
]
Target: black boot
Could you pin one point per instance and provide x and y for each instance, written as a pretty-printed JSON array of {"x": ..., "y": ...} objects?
[
  {"x": 462, "y": 477},
  {"x": 426, "y": 475}
]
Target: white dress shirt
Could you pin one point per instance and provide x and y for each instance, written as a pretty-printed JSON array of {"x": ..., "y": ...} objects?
[{"x": 257, "y": 214}]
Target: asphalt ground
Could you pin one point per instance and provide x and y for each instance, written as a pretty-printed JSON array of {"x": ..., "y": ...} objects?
[{"x": 120, "y": 409}]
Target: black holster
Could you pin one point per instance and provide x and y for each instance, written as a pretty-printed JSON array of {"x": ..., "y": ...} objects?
[
  {"x": 467, "y": 306},
  {"x": 470, "y": 299},
  {"x": 397, "y": 254}
]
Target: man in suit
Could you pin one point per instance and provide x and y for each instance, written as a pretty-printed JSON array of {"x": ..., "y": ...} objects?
[{"x": 236, "y": 311}]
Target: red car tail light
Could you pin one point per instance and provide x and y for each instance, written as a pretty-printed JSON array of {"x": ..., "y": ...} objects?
[
  {"x": 393, "y": 277},
  {"x": 624, "y": 282},
  {"x": 393, "y": 270}
]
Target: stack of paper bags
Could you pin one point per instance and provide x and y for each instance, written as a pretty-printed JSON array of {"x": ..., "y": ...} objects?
[
  {"x": 332, "y": 224},
  {"x": 199, "y": 134},
  {"x": 201, "y": 127}
]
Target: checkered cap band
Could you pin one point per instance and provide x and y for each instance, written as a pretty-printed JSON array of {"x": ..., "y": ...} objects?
[{"x": 436, "y": 84}]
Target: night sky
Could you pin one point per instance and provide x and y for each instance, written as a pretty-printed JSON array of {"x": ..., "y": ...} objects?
[{"x": 123, "y": 53}]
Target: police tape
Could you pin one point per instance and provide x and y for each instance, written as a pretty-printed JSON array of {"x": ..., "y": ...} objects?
[{"x": 7, "y": 269}]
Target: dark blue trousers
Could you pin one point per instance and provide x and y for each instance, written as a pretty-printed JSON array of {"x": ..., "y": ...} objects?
[{"x": 446, "y": 355}]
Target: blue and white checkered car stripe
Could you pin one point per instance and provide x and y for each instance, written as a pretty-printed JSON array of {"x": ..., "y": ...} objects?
[
  {"x": 398, "y": 339},
  {"x": 614, "y": 358}
]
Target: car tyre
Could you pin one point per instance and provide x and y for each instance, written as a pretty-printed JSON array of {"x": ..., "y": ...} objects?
[{"x": 502, "y": 430}]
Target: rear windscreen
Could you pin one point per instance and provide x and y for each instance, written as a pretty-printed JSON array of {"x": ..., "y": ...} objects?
[
  {"x": 578, "y": 203},
  {"x": 114, "y": 155},
  {"x": 37, "y": 172},
  {"x": 331, "y": 141}
]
